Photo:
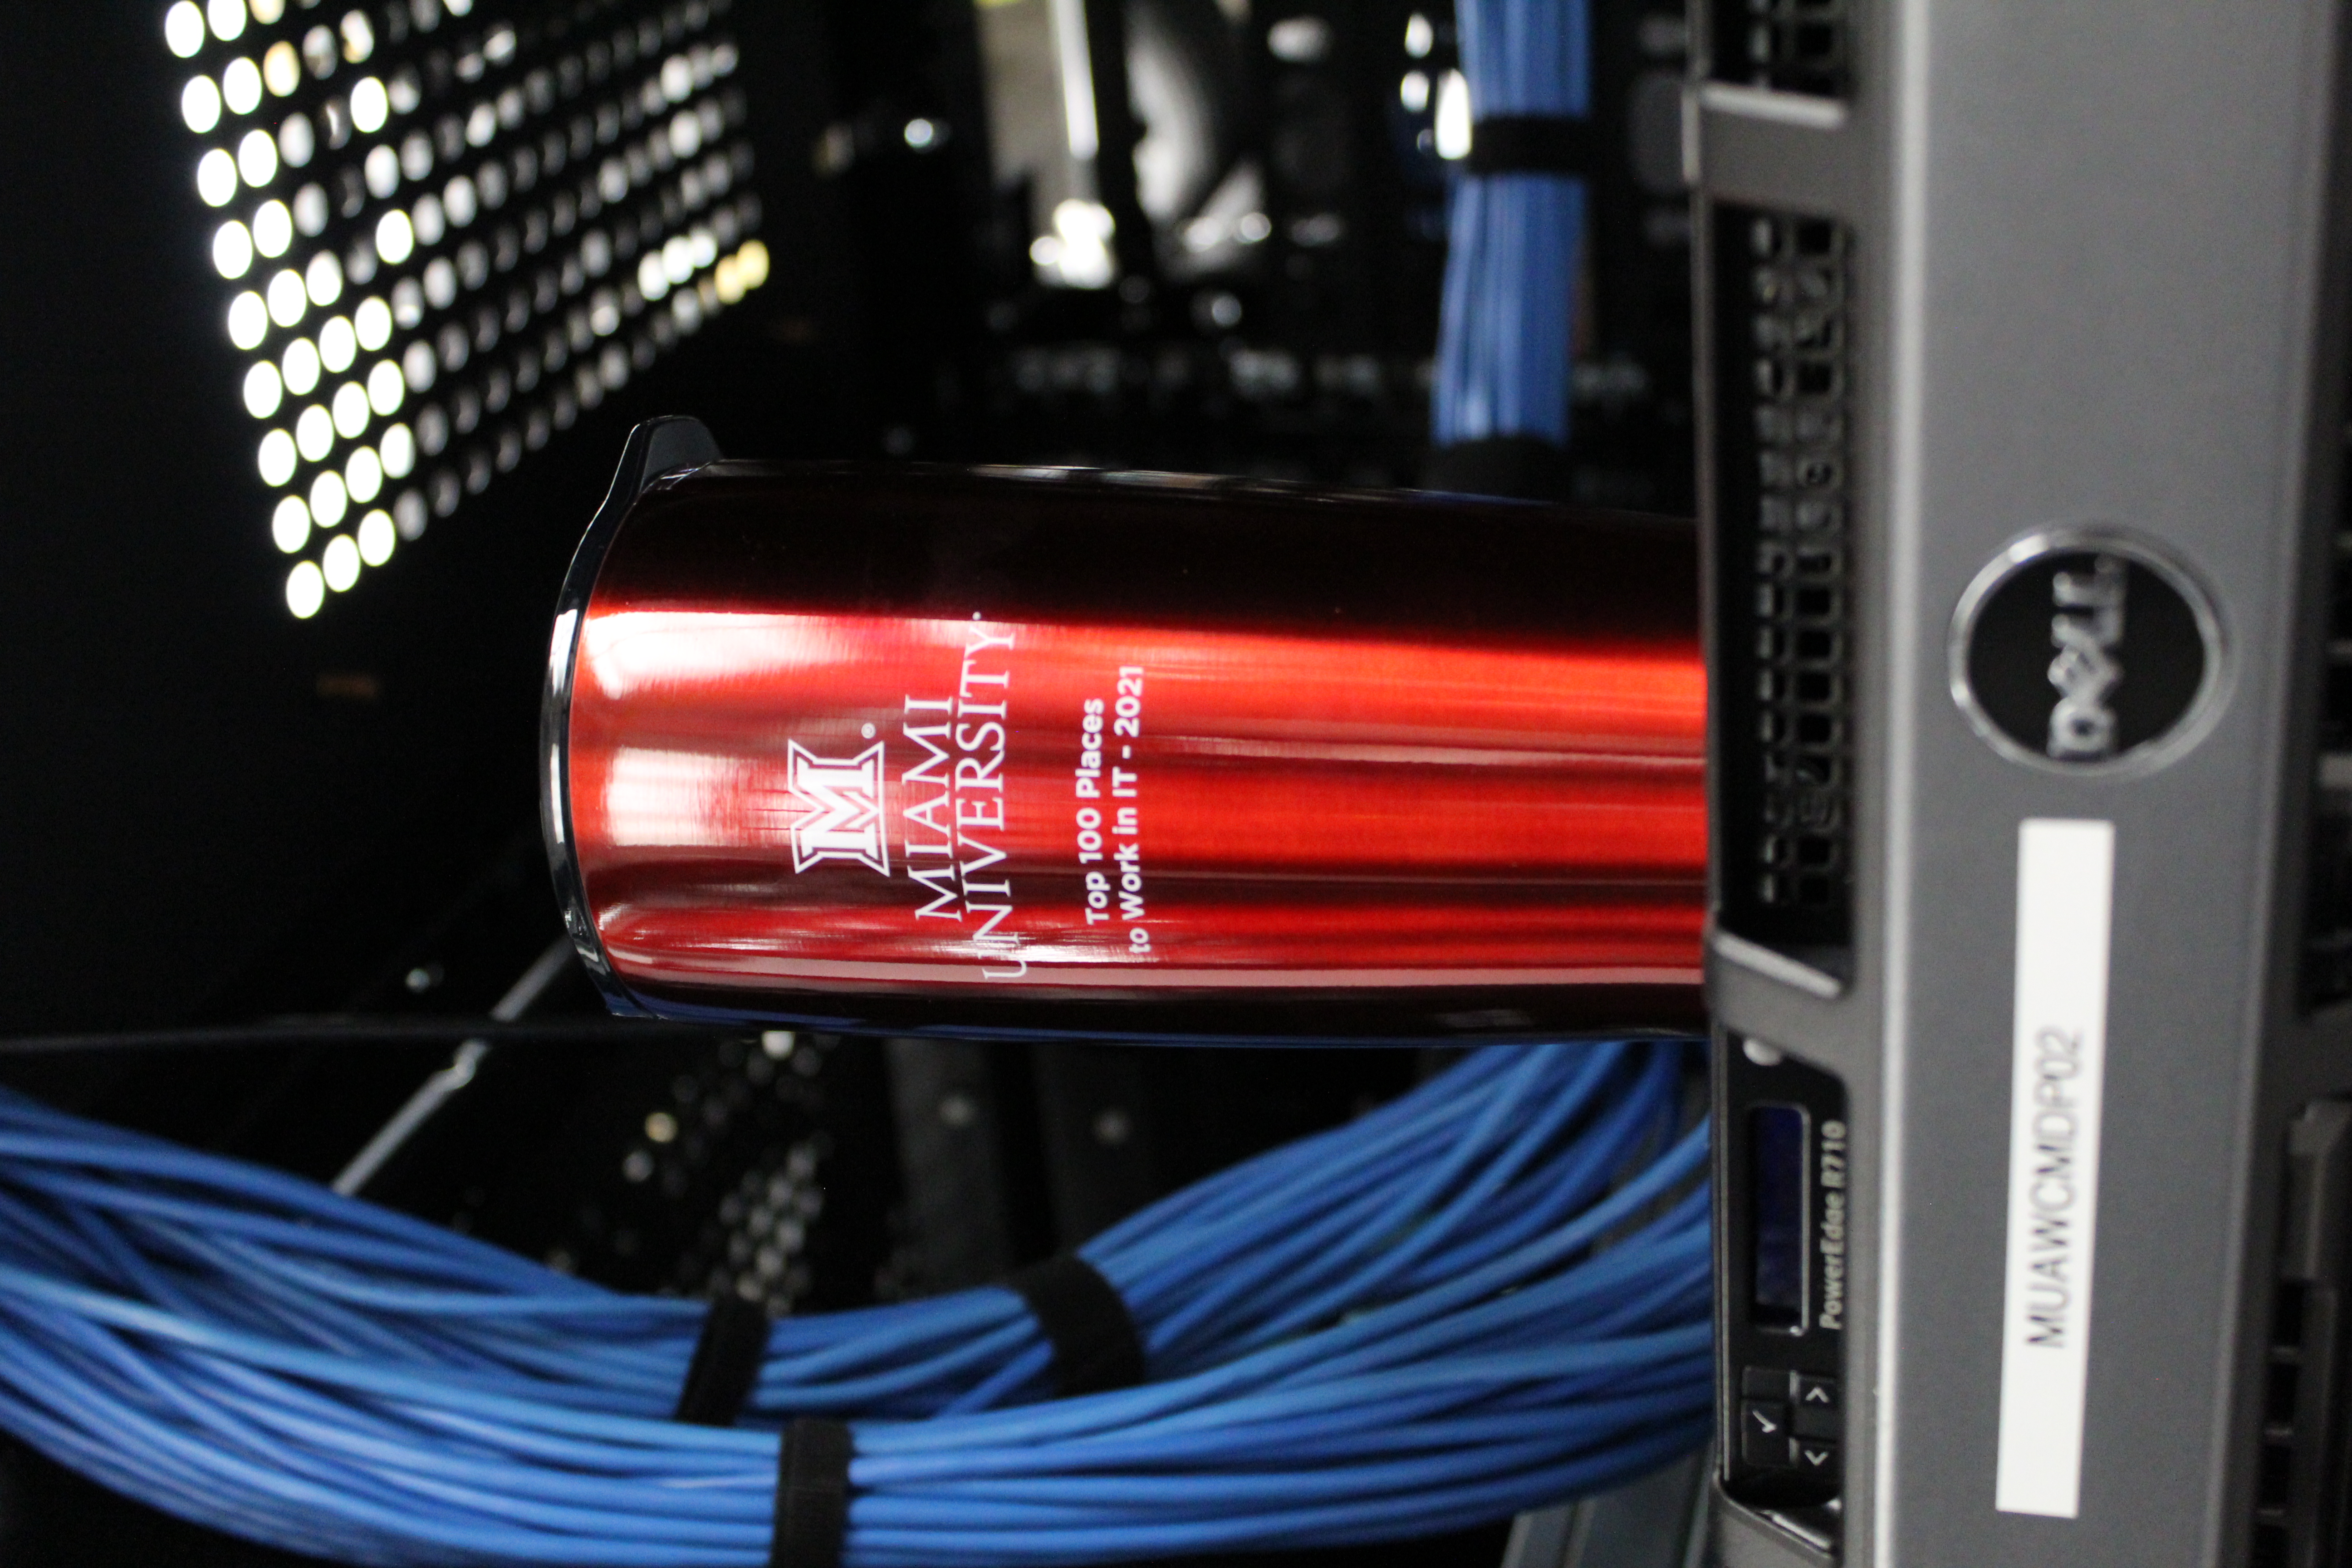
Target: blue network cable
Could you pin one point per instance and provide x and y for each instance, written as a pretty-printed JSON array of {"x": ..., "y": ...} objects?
[
  {"x": 1516, "y": 240},
  {"x": 1488, "y": 1294}
]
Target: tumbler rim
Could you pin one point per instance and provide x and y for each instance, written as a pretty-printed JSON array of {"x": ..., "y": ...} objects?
[{"x": 657, "y": 448}]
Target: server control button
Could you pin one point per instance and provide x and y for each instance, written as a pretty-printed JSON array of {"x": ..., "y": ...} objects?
[
  {"x": 1817, "y": 1393},
  {"x": 1816, "y": 1458},
  {"x": 1814, "y": 1422},
  {"x": 1763, "y": 1383},
  {"x": 1764, "y": 1433}
]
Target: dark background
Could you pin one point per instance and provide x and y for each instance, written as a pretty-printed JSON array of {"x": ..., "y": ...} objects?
[{"x": 213, "y": 814}]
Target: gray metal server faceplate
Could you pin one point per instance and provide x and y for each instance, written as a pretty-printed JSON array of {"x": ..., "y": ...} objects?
[{"x": 2096, "y": 250}]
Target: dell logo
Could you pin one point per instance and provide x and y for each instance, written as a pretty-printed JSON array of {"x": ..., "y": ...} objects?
[
  {"x": 2086, "y": 651},
  {"x": 2086, "y": 630},
  {"x": 840, "y": 807}
]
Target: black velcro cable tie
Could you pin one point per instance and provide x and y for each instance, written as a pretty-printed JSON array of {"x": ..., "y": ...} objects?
[
  {"x": 1096, "y": 1347},
  {"x": 812, "y": 1494},
  {"x": 1533, "y": 144},
  {"x": 727, "y": 1357}
]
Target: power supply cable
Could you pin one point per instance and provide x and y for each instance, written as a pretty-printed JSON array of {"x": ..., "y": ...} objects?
[
  {"x": 1515, "y": 224},
  {"x": 438, "y": 1090},
  {"x": 1488, "y": 1294}
]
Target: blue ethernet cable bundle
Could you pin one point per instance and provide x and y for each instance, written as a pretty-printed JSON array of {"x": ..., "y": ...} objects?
[
  {"x": 1516, "y": 236},
  {"x": 1490, "y": 1294}
]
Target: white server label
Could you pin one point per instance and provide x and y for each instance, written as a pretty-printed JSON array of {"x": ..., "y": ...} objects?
[{"x": 2066, "y": 901}]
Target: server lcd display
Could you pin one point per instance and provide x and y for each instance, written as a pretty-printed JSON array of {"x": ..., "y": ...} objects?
[{"x": 1776, "y": 1144}]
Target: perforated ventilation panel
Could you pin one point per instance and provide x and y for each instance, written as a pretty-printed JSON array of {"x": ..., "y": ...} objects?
[
  {"x": 2300, "y": 1470},
  {"x": 2327, "y": 931},
  {"x": 1790, "y": 45},
  {"x": 1782, "y": 590},
  {"x": 444, "y": 229}
]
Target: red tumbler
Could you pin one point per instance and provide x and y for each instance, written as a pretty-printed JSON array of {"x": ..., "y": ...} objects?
[{"x": 1045, "y": 752}]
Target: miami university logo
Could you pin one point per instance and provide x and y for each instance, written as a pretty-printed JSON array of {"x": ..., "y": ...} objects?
[{"x": 840, "y": 805}]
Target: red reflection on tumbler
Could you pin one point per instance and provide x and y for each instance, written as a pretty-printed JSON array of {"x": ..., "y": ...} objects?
[{"x": 779, "y": 801}]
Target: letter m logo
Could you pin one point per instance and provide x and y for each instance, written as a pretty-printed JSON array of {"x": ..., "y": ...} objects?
[{"x": 840, "y": 805}]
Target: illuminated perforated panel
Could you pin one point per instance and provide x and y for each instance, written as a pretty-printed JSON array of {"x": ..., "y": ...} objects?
[{"x": 446, "y": 228}]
